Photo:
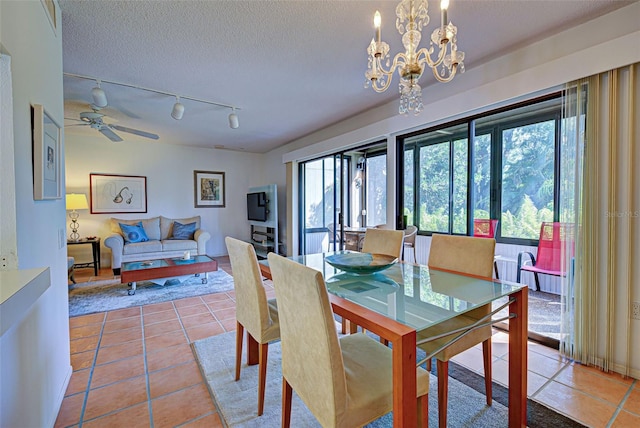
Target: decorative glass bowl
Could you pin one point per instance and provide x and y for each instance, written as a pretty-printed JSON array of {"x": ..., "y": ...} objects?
[{"x": 361, "y": 263}]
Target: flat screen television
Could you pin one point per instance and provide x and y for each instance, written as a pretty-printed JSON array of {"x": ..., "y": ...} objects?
[{"x": 257, "y": 206}]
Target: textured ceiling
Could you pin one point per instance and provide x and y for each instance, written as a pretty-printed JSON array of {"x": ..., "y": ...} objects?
[{"x": 291, "y": 67}]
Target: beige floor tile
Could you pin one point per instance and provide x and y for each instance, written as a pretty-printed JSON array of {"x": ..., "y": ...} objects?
[
  {"x": 221, "y": 304},
  {"x": 155, "y": 343},
  {"x": 157, "y": 307},
  {"x": 633, "y": 401},
  {"x": 229, "y": 324},
  {"x": 216, "y": 297},
  {"x": 173, "y": 379},
  {"x": 189, "y": 301},
  {"x": 122, "y": 336},
  {"x": 626, "y": 420},
  {"x": 204, "y": 330},
  {"x": 168, "y": 357},
  {"x": 85, "y": 331},
  {"x": 592, "y": 383},
  {"x": 79, "y": 382},
  {"x": 118, "y": 352},
  {"x": 70, "y": 410},
  {"x": 182, "y": 406},
  {"x": 115, "y": 396},
  {"x": 117, "y": 371},
  {"x": 584, "y": 408},
  {"x": 122, "y": 324},
  {"x": 162, "y": 327},
  {"x": 543, "y": 365},
  {"x": 209, "y": 421},
  {"x": 134, "y": 416},
  {"x": 185, "y": 311},
  {"x": 225, "y": 314},
  {"x": 82, "y": 360},
  {"x": 84, "y": 344},
  {"x": 87, "y": 319},
  {"x": 196, "y": 320},
  {"x": 160, "y": 316},
  {"x": 135, "y": 311}
]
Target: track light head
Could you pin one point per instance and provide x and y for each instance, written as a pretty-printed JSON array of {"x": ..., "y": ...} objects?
[
  {"x": 99, "y": 97},
  {"x": 178, "y": 109},
  {"x": 233, "y": 120}
]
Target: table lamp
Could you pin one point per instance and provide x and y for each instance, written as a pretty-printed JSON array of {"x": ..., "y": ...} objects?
[{"x": 75, "y": 201}]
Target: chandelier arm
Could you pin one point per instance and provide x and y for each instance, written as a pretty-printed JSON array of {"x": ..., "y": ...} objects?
[
  {"x": 450, "y": 76},
  {"x": 394, "y": 66},
  {"x": 424, "y": 56},
  {"x": 376, "y": 86}
]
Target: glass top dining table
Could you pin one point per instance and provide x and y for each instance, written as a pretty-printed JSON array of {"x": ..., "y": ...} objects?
[{"x": 406, "y": 298}]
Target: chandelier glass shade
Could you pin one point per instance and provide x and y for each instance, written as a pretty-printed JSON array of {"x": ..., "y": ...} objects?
[{"x": 412, "y": 16}]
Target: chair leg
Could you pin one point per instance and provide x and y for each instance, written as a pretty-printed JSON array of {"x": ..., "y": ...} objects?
[
  {"x": 429, "y": 365},
  {"x": 423, "y": 411},
  {"x": 344, "y": 326},
  {"x": 262, "y": 376},
  {"x": 415, "y": 259},
  {"x": 287, "y": 394},
  {"x": 443, "y": 392},
  {"x": 239, "y": 334},
  {"x": 535, "y": 275},
  {"x": 495, "y": 268},
  {"x": 486, "y": 353}
]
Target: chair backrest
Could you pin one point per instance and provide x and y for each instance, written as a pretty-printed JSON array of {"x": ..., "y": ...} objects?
[
  {"x": 311, "y": 357},
  {"x": 410, "y": 235},
  {"x": 465, "y": 254},
  {"x": 553, "y": 240},
  {"x": 485, "y": 228},
  {"x": 251, "y": 299},
  {"x": 383, "y": 241}
]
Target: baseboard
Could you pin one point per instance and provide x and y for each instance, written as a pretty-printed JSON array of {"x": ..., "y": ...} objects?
[{"x": 60, "y": 397}]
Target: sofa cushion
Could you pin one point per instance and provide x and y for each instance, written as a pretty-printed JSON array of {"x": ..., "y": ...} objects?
[
  {"x": 151, "y": 226},
  {"x": 179, "y": 245},
  {"x": 183, "y": 231},
  {"x": 166, "y": 225},
  {"x": 133, "y": 232},
  {"x": 142, "y": 247}
]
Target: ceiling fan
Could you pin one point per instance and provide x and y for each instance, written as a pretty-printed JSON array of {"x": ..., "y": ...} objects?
[{"x": 94, "y": 120}]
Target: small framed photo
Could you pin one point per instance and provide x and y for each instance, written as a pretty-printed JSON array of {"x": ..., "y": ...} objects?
[
  {"x": 111, "y": 193},
  {"x": 47, "y": 177},
  {"x": 209, "y": 189}
]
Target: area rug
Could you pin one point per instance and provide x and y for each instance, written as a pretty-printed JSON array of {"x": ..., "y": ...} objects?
[
  {"x": 89, "y": 298},
  {"x": 237, "y": 401}
]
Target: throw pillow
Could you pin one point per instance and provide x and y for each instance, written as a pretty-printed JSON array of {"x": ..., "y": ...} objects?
[
  {"x": 183, "y": 231},
  {"x": 133, "y": 232}
]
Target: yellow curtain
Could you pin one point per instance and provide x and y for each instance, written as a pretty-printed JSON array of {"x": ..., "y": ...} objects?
[{"x": 600, "y": 193}]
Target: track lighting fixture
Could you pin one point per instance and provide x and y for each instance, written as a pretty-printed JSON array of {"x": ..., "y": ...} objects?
[
  {"x": 99, "y": 97},
  {"x": 233, "y": 119},
  {"x": 178, "y": 109}
]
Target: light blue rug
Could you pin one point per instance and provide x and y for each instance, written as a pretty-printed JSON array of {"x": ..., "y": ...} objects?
[
  {"x": 99, "y": 297},
  {"x": 238, "y": 401}
]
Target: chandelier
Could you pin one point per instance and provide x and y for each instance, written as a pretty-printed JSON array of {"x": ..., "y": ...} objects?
[{"x": 411, "y": 63}]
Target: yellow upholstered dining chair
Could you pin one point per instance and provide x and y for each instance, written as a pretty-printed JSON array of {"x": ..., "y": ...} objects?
[
  {"x": 345, "y": 382},
  {"x": 473, "y": 256},
  {"x": 383, "y": 241},
  {"x": 254, "y": 312}
]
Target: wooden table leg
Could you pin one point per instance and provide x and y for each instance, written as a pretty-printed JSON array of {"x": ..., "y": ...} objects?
[
  {"x": 405, "y": 401},
  {"x": 518, "y": 329},
  {"x": 253, "y": 350}
]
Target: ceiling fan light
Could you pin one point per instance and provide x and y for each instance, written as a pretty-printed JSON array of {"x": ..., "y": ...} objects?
[
  {"x": 233, "y": 120},
  {"x": 178, "y": 110},
  {"x": 99, "y": 97}
]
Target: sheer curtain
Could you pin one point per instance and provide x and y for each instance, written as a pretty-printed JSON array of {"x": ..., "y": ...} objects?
[{"x": 600, "y": 193}]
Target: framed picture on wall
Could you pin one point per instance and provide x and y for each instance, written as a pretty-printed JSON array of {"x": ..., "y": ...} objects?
[
  {"x": 111, "y": 193},
  {"x": 209, "y": 189},
  {"x": 47, "y": 176}
]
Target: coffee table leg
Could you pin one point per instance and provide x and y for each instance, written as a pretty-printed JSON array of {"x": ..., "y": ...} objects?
[
  {"x": 204, "y": 278},
  {"x": 133, "y": 288}
]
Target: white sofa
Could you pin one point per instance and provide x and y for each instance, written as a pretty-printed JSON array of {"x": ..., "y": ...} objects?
[{"x": 161, "y": 243}]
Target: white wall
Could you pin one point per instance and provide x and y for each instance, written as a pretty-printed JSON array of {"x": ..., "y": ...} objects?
[
  {"x": 169, "y": 171},
  {"x": 34, "y": 352},
  {"x": 605, "y": 43}
]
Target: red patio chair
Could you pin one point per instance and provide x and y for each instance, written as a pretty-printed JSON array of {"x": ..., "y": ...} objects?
[
  {"x": 486, "y": 228},
  {"x": 553, "y": 239}
]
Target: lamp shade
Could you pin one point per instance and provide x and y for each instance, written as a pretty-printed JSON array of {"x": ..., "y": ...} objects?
[
  {"x": 233, "y": 120},
  {"x": 178, "y": 110},
  {"x": 77, "y": 201},
  {"x": 99, "y": 97}
]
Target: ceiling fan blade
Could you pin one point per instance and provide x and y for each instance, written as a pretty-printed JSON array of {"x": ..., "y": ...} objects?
[
  {"x": 135, "y": 131},
  {"x": 110, "y": 134},
  {"x": 77, "y": 124},
  {"x": 71, "y": 118}
]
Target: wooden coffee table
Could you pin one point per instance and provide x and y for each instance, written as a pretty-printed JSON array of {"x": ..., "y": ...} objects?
[{"x": 148, "y": 270}]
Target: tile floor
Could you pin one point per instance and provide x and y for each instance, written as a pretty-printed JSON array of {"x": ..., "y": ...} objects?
[{"x": 134, "y": 367}]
